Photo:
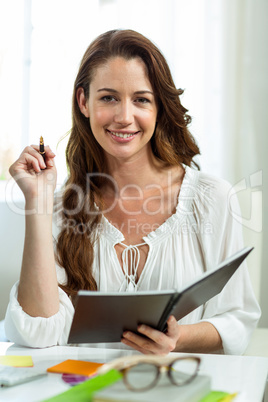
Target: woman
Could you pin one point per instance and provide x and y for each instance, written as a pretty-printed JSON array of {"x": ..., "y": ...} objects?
[{"x": 134, "y": 215}]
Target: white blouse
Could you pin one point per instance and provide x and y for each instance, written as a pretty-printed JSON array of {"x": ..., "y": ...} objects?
[{"x": 196, "y": 238}]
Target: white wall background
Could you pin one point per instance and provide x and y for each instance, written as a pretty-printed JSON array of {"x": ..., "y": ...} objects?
[{"x": 217, "y": 51}]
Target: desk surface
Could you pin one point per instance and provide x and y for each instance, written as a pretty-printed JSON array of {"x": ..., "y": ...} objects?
[{"x": 246, "y": 375}]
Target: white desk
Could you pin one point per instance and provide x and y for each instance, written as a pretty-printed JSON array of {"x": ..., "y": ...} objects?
[{"x": 246, "y": 375}]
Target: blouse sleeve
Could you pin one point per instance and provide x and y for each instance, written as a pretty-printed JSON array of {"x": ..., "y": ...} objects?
[
  {"x": 40, "y": 332},
  {"x": 235, "y": 311}
]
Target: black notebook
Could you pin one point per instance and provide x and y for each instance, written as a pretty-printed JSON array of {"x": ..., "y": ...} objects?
[{"x": 103, "y": 317}]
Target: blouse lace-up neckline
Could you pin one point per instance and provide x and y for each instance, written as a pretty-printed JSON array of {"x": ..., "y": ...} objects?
[{"x": 130, "y": 264}]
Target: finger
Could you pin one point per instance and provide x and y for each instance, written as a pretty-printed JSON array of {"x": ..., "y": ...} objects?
[
  {"x": 144, "y": 342},
  {"x": 49, "y": 162},
  {"x": 33, "y": 150},
  {"x": 30, "y": 162},
  {"x": 172, "y": 327},
  {"x": 135, "y": 346},
  {"x": 49, "y": 152},
  {"x": 155, "y": 335},
  {"x": 167, "y": 341},
  {"x": 47, "y": 148},
  {"x": 49, "y": 155}
]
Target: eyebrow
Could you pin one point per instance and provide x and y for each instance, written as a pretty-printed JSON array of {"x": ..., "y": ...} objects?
[{"x": 145, "y": 91}]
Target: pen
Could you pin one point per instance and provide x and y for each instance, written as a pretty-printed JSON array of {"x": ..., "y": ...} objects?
[{"x": 42, "y": 148}]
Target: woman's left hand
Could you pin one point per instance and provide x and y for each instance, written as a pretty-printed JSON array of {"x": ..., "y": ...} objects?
[{"x": 154, "y": 342}]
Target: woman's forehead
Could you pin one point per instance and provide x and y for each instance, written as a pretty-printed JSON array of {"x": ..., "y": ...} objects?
[{"x": 120, "y": 71}]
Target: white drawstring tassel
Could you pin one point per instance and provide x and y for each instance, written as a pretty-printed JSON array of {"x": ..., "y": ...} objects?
[{"x": 131, "y": 259}]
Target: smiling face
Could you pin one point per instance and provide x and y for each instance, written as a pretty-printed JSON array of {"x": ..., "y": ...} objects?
[{"x": 121, "y": 108}]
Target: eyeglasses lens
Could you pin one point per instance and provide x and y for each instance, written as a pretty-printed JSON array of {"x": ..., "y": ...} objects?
[
  {"x": 183, "y": 370},
  {"x": 141, "y": 376}
]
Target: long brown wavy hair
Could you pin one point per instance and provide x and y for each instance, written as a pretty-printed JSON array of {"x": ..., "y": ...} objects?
[{"x": 171, "y": 143}]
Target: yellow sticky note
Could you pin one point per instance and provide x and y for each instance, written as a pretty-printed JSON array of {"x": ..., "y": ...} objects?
[
  {"x": 229, "y": 398},
  {"x": 218, "y": 396},
  {"x": 16, "y": 361}
]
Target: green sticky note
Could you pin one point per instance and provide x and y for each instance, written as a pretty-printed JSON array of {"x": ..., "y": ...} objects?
[
  {"x": 218, "y": 396},
  {"x": 83, "y": 392},
  {"x": 16, "y": 361}
]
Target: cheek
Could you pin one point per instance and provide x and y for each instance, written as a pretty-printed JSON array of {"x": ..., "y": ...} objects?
[
  {"x": 102, "y": 116},
  {"x": 148, "y": 120}
]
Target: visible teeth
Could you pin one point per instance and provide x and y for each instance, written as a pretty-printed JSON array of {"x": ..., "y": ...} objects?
[{"x": 121, "y": 135}]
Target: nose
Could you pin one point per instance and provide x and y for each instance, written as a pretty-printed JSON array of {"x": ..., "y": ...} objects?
[{"x": 124, "y": 113}]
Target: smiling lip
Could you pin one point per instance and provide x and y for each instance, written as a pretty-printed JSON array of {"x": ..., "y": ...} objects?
[{"x": 122, "y": 136}]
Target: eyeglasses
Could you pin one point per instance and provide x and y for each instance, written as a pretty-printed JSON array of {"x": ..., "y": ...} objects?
[{"x": 141, "y": 373}]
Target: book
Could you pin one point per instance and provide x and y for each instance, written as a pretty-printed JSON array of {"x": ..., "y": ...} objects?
[
  {"x": 103, "y": 317},
  {"x": 164, "y": 390}
]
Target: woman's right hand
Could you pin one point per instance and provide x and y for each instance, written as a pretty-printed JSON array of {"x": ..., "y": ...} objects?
[
  {"x": 35, "y": 177},
  {"x": 38, "y": 292}
]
